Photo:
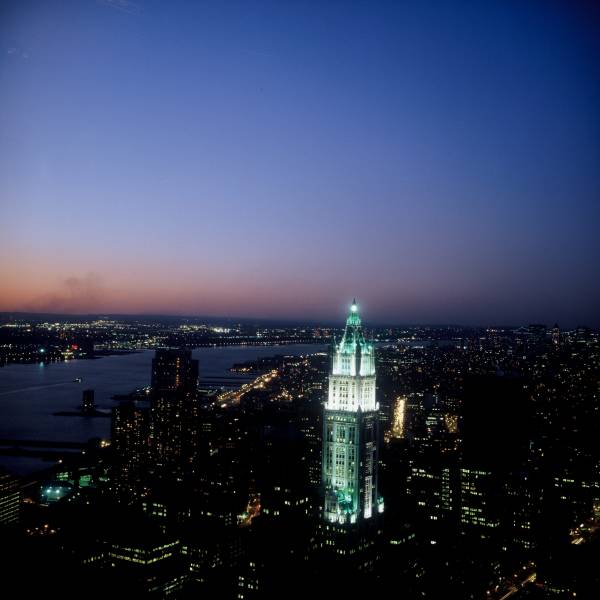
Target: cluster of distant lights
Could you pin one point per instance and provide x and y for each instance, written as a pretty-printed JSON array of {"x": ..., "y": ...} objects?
[
  {"x": 63, "y": 326},
  {"x": 212, "y": 328},
  {"x": 43, "y": 530},
  {"x": 52, "y": 494}
]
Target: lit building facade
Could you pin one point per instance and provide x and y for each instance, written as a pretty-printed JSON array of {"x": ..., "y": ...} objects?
[
  {"x": 350, "y": 430},
  {"x": 10, "y": 499}
]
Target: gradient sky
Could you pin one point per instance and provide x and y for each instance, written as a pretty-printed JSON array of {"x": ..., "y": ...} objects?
[{"x": 440, "y": 161}]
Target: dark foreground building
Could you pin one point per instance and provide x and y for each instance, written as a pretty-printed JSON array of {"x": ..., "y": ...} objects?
[{"x": 174, "y": 410}]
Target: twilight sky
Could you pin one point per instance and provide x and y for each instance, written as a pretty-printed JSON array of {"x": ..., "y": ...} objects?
[{"x": 440, "y": 161}]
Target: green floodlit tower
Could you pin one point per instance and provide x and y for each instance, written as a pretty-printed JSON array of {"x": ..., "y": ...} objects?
[{"x": 350, "y": 432}]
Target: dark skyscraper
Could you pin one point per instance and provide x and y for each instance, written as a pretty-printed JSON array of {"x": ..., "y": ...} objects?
[
  {"x": 174, "y": 405},
  {"x": 129, "y": 440}
]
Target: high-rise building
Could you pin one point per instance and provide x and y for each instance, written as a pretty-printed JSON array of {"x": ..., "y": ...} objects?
[
  {"x": 495, "y": 487},
  {"x": 10, "y": 498},
  {"x": 350, "y": 453},
  {"x": 174, "y": 406},
  {"x": 129, "y": 442},
  {"x": 145, "y": 562},
  {"x": 350, "y": 433}
]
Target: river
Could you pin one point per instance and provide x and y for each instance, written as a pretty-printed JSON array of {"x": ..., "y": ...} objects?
[{"x": 30, "y": 394}]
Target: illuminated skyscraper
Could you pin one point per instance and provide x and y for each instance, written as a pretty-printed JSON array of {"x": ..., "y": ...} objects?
[
  {"x": 347, "y": 543},
  {"x": 350, "y": 432}
]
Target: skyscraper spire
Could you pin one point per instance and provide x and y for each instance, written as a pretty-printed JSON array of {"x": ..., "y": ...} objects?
[{"x": 353, "y": 319}]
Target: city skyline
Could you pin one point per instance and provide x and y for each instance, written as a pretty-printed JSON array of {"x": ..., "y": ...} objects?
[
  {"x": 210, "y": 160},
  {"x": 286, "y": 322},
  {"x": 300, "y": 298},
  {"x": 230, "y": 469}
]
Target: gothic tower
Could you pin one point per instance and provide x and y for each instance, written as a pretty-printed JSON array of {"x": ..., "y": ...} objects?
[{"x": 350, "y": 431}]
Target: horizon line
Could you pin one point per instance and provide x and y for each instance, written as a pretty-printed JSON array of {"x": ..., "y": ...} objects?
[{"x": 288, "y": 320}]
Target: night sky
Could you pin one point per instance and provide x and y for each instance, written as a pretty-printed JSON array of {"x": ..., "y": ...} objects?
[{"x": 440, "y": 161}]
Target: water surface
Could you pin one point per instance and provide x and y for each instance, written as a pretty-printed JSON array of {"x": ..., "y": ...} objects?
[{"x": 30, "y": 394}]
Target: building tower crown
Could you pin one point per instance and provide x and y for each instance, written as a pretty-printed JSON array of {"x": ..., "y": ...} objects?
[
  {"x": 353, "y": 319},
  {"x": 353, "y": 355}
]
